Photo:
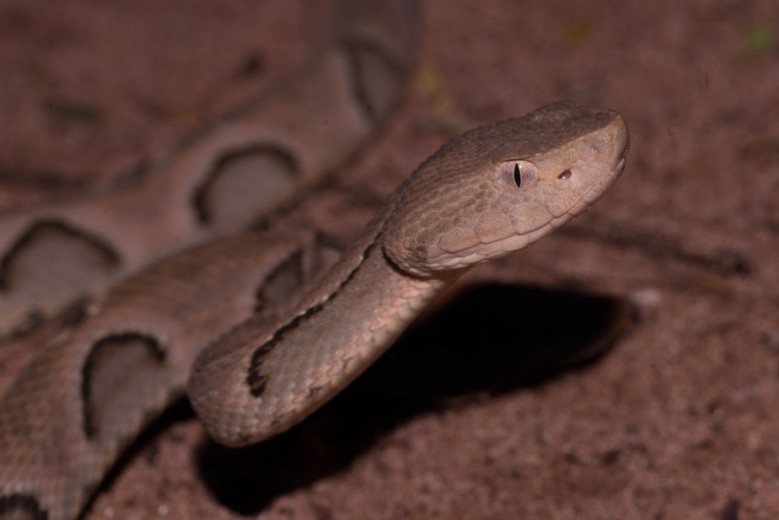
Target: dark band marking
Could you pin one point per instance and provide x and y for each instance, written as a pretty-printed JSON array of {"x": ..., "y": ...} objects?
[
  {"x": 201, "y": 198},
  {"x": 72, "y": 315},
  {"x": 258, "y": 381},
  {"x": 23, "y": 507},
  {"x": 285, "y": 279},
  {"x": 42, "y": 229},
  {"x": 110, "y": 362},
  {"x": 375, "y": 76}
]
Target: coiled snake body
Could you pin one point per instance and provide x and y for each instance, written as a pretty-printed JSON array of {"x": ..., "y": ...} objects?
[{"x": 485, "y": 193}]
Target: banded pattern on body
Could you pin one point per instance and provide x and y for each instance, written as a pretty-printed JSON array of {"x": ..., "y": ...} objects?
[{"x": 484, "y": 194}]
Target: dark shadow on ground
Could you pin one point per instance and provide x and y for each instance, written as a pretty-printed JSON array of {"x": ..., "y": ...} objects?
[{"x": 487, "y": 340}]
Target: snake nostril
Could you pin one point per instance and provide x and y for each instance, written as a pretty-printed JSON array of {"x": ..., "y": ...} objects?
[{"x": 565, "y": 175}]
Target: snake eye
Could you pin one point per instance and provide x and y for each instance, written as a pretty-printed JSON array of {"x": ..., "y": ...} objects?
[
  {"x": 565, "y": 175},
  {"x": 518, "y": 173}
]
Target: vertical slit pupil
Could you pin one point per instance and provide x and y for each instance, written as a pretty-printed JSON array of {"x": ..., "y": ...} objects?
[{"x": 517, "y": 176}]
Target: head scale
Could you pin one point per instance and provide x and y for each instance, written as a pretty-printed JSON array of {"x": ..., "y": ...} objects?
[{"x": 497, "y": 188}]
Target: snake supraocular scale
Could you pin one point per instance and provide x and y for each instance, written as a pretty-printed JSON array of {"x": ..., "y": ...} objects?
[{"x": 484, "y": 194}]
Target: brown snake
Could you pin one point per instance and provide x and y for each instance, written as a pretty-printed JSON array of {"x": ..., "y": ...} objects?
[
  {"x": 208, "y": 186},
  {"x": 485, "y": 193}
]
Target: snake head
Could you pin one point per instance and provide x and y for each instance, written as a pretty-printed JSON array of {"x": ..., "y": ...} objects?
[{"x": 497, "y": 188}]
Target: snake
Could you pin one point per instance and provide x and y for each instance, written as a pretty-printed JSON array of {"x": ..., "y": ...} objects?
[
  {"x": 207, "y": 186},
  {"x": 261, "y": 328}
]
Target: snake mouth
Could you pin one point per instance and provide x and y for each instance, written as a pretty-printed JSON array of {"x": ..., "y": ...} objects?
[
  {"x": 503, "y": 246},
  {"x": 597, "y": 191}
]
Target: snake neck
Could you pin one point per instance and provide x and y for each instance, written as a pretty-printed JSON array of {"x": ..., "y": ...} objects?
[
  {"x": 371, "y": 307},
  {"x": 333, "y": 334}
]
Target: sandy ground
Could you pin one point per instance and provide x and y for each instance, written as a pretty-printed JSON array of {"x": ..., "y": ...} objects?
[{"x": 478, "y": 413}]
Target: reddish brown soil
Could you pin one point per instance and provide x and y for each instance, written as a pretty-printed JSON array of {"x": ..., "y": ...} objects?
[{"x": 677, "y": 421}]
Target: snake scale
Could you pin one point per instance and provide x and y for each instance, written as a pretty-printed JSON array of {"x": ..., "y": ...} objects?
[
  {"x": 295, "y": 134},
  {"x": 263, "y": 338}
]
